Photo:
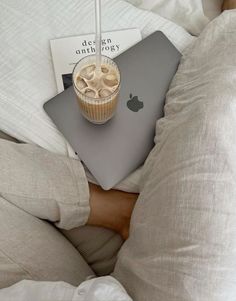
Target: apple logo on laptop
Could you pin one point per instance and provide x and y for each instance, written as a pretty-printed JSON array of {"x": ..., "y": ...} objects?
[{"x": 134, "y": 104}]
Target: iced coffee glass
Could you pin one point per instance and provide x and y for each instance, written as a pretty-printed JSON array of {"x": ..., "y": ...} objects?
[{"x": 97, "y": 91}]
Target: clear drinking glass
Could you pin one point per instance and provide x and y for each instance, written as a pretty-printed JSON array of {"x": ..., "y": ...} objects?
[{"x": 96, "y": 110}]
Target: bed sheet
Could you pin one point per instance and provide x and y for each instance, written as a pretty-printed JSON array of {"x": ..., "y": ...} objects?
[{"x": 193, "y": 15}]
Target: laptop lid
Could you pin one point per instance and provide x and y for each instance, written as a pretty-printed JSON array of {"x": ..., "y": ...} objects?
[{"x": 113, "y": 150}]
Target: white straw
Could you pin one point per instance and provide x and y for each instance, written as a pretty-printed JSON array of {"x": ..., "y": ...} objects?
[{"x": 98, "y": 34}]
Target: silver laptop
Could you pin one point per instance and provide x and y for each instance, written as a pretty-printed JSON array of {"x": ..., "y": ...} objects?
[{"x": 113, "y": 150}]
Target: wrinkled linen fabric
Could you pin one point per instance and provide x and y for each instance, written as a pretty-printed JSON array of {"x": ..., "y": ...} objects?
[
  {"x": 38, "y": 189},
  {"x": 26, "y": 73},
  {"x": 98, "y": 289},
  {"x": 182, "y": 244},
  {"x": 193, "y": 15},
  {"x": 188, "y": 14}
]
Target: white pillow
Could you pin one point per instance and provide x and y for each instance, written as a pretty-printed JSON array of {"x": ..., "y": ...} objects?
[{"x": 188, "y": 14}]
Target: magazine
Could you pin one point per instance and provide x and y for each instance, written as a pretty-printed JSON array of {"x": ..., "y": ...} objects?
[{"x": 66, "y": 52}]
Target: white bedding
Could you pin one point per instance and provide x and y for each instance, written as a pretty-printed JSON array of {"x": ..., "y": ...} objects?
[
  {"x": 26, "y": 73},
  {"x": 193, "y": 15}
]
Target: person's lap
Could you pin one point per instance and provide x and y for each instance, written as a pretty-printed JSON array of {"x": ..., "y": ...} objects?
[
  {"x": 98, "y": 246},
  {"x": 182, "y": 243},
  {"x": 34, "y": 249}
]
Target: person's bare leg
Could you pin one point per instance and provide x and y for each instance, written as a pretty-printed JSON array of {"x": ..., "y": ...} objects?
[
  {"x": 228, "y": 4},
  {"x": 111, "y": 209}
]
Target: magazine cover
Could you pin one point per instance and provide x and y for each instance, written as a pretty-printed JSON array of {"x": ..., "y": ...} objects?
[{"x": 66, "y": 52}]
